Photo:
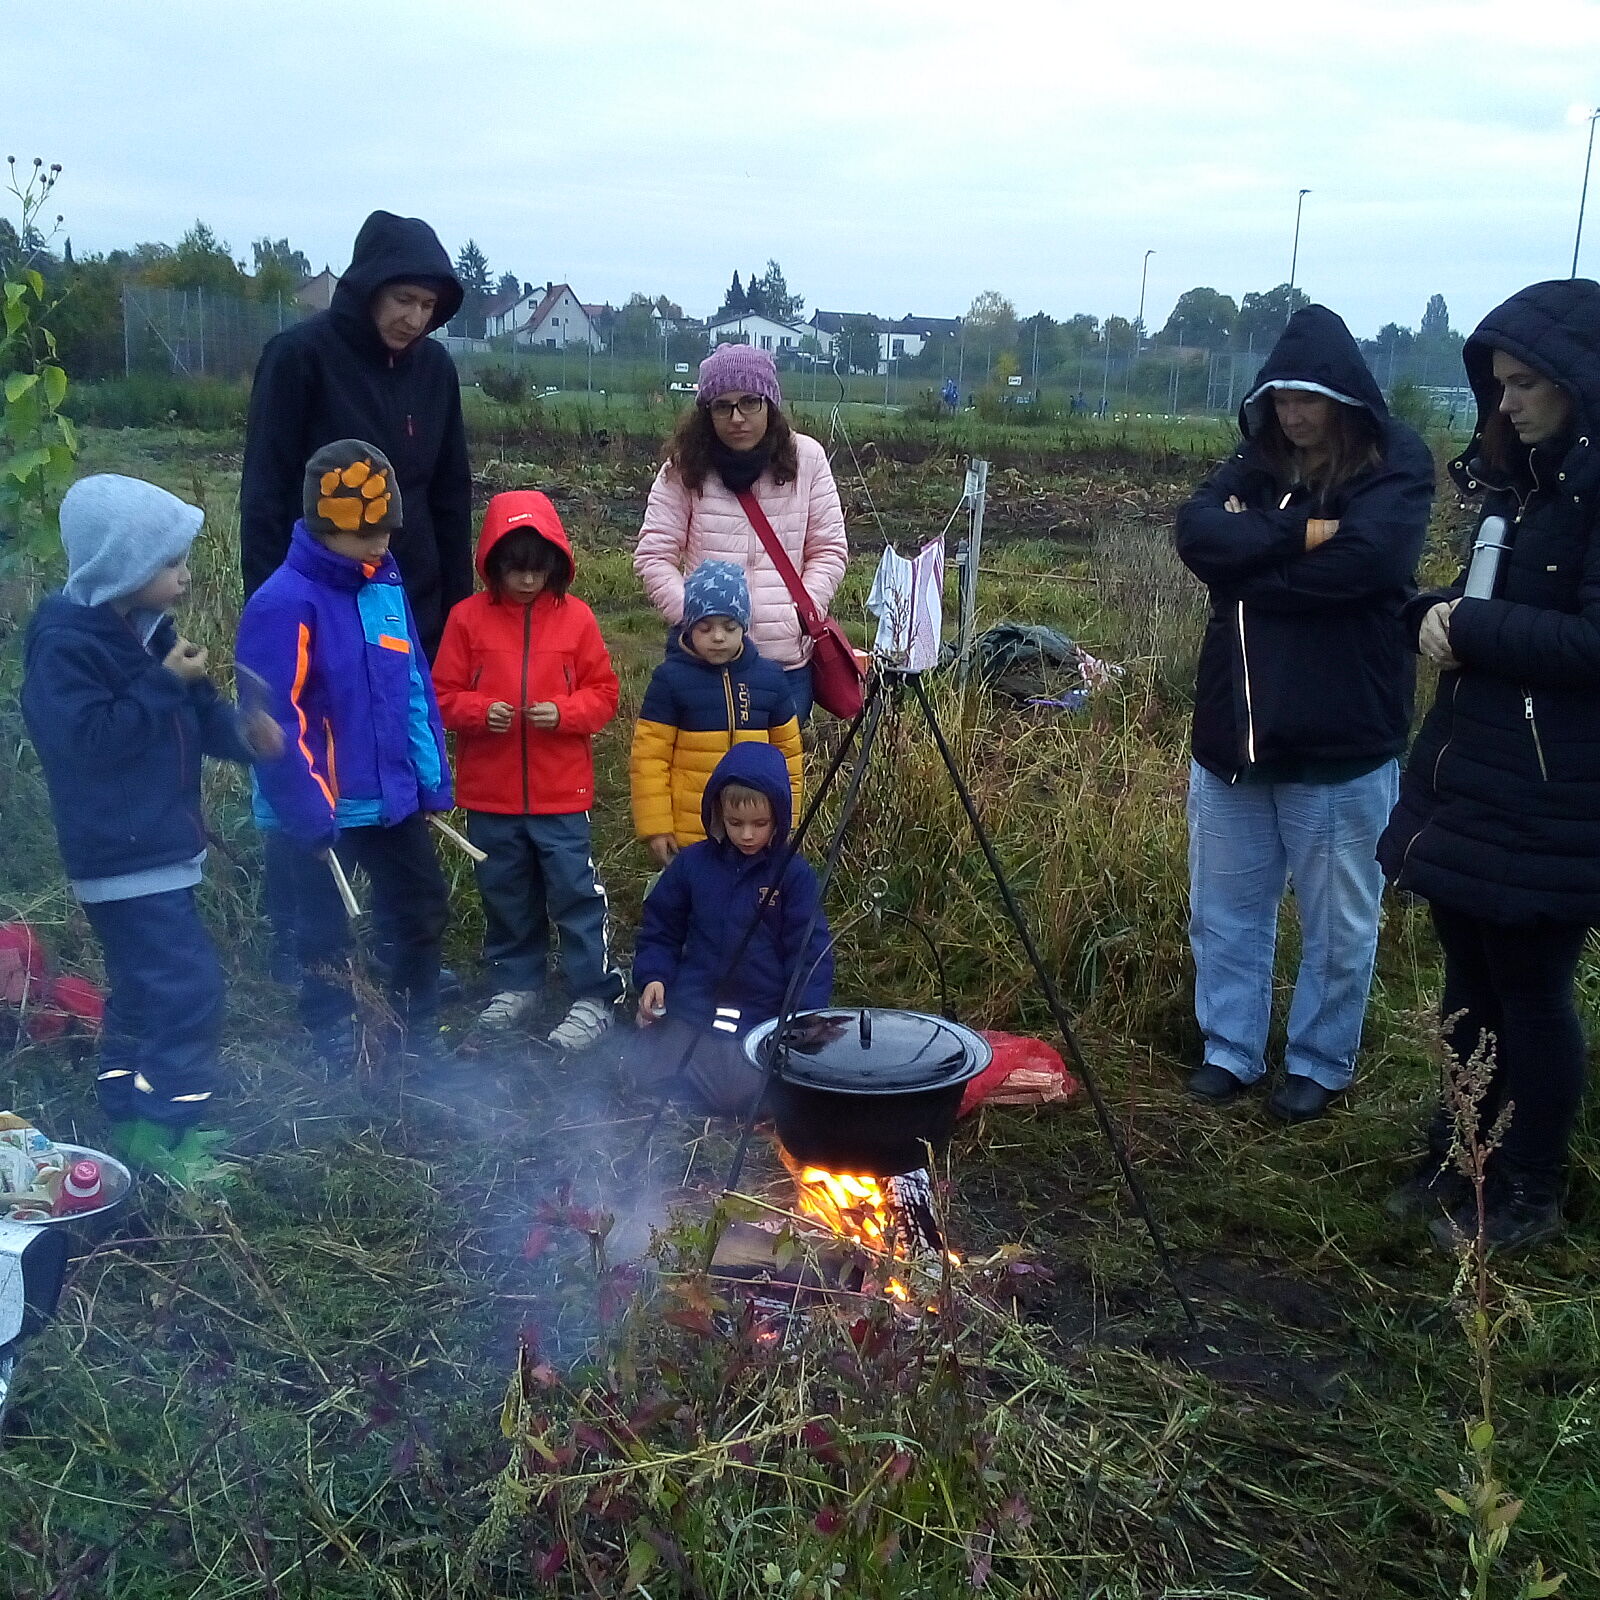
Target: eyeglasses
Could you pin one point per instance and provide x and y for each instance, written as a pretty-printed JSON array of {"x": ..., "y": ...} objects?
[{"x": 748, "y": 405}]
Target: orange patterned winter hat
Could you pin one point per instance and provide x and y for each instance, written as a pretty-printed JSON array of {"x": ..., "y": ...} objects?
[{"x": 350, "y": 488}]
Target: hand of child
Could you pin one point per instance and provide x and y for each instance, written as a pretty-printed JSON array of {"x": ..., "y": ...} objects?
[
  {"x": 543, "y": 714},
  {"x": 652, "y": 1004},
  {"x": 1233, "y": 503},
  {"x": 186, "y": 660},
  {"x": 499, "y": 716},
  {"x": 262, "y": 736},
  {"x": 663, "y": 847},
  {"x": 1319, "y": 530}
]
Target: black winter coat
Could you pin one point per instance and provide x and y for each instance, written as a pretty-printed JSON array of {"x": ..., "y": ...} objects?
[
  {"x": 1304, "y": 658},
  {"x": 332, "y": 377},
  {"x": 120, "y": 739},
  {"x": 1499, "y": 812}
]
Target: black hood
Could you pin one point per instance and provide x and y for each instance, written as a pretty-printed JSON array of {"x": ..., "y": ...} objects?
[
  {"x": 1316, "y": 348},
  {"x": 391, "y": 249},
  {"x": 1554, "y": 328}
]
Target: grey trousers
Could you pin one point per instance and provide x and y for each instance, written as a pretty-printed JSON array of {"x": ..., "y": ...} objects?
[
  {"x": 718, "y": 1076},
  {"x": 540, "y": 873}
]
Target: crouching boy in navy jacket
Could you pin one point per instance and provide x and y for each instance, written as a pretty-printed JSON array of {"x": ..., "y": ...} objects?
[
  {"x": 330, "y": 638},
  {"x": 121, "y": 710},
  {"x": 696, "y": 917}
]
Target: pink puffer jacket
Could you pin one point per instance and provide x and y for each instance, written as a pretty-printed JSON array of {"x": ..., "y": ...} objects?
[{"x": 682, "y": 529}]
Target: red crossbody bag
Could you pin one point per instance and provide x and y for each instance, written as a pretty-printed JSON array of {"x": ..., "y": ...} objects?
[{"x": 836, "y": 675}]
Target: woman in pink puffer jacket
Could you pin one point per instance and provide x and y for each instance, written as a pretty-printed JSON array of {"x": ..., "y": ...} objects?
[{"x": 736, "y": 437}]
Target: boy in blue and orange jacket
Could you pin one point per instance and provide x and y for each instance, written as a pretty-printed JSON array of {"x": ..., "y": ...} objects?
[
  {"x": 332, "y": 644},
  {"x": 697, "y": 917}
]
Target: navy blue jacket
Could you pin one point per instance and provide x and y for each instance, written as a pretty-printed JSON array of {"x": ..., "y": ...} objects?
[
  {"x": 120, "y": 739},
  {"x": 332, "y": 377},
  {"x": 704, "y": 903},
  {"x": 1499, "y": 812},
  {"x": 1304, "y": 658}
]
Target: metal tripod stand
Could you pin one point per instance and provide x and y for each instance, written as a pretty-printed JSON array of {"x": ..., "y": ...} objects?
[{"x": 885, "y": 685}]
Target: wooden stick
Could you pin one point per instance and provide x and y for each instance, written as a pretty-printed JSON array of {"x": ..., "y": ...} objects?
[
  {"x": 342, "y": 883},
  {"x": 460, "y": 840}
]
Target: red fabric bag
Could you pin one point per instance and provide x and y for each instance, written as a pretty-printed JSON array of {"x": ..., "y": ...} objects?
[
  {"x": 48, "y": 1006},
  {"x": 836, "y": 675},
  {"x": 1024, "y": 1072}
]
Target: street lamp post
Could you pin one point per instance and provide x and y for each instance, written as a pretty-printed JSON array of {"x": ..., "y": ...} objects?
[
  {"x": 1138, "y": 324},
  {"x": 1294, "y": 255},
  {"x": 1584, "y": 195}
]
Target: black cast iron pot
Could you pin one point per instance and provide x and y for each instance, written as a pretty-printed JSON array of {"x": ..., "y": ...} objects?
[{"x": 867, "y": 1090}]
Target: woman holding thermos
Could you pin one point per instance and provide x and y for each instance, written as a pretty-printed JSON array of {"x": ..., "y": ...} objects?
[{"x": 1498, "y": 823}]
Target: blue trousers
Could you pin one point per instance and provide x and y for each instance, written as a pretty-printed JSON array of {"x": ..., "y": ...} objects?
[
  {"x": 1246, "y": 843},
  {"x": 158, "y": 1047},
  {"x": 540, "y": 872},
  {"x": 410, "y": 905},
  {"x": 799, "y": 681}
]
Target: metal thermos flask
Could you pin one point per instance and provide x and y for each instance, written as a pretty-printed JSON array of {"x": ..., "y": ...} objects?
[{"x": 1487, "y": 550}]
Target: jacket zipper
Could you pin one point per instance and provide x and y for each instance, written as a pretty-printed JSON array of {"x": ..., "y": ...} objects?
[
  {"x": 183, "y": 774},
  {"x": 1249, "y": 708},
  {"x": 522, "y": 704},
  {"x": 727, "y": 690},
  {"x": 1533, "y": 728}
]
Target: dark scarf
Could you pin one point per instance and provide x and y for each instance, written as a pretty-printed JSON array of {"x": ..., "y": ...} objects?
[{"x": 739, "y": 469}]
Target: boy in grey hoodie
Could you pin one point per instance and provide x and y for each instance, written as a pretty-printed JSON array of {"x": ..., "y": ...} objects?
[{"x": 121, "y": 709}]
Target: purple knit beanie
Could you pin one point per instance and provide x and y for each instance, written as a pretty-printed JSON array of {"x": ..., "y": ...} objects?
[{"x": 738, "y": 369}]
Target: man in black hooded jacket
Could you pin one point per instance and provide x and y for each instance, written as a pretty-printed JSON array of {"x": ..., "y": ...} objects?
[{"x": 365, "y": 369}]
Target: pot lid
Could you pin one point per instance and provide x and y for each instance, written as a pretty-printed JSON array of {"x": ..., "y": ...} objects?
[{"x": 872, "y": 1050}]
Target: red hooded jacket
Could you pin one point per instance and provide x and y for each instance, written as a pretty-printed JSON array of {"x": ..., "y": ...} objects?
[{"x": 549, "y": 650}]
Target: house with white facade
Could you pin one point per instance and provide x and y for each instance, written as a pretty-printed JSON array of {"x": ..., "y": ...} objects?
[
  {"x": 751, "y": 327},
  {"x": 900, "y": 340},
  {"x": 560, "y": 319},
  {"x": 507, "y": 312}
]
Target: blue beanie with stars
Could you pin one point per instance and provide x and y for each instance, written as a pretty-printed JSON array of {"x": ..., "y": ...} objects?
[{"x": 716, "y": 589}]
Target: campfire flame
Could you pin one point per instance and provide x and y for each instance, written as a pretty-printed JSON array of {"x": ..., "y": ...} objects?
[{"x": 892, "y": 1217}]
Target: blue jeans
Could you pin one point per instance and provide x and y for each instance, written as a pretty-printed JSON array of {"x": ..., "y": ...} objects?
[
  {"x": 1246, "y": 841},
  {"x": 799, "y": 681}
]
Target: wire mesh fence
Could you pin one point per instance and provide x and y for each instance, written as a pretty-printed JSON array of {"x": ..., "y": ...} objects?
[{"x": 192, "y": 333}]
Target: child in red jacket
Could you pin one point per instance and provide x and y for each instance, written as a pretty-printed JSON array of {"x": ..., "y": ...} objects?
[{"x": 524, "y": 681}]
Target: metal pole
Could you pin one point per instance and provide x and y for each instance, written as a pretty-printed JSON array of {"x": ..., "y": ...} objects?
[
  {"x": 967, "y": 553},
  {"x": 1584, "y": 195},
  {"x": 1294, "y": 255},
  {"x": 1138, "y": 322}
]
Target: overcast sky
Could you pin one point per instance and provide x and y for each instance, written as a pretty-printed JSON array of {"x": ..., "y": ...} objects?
[{"x": 893, "y": 156}]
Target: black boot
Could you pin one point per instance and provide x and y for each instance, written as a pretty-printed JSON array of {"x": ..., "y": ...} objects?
[
  {"x": 1520, "y": 1209},
  {"x": 1432, "y": 1186}
]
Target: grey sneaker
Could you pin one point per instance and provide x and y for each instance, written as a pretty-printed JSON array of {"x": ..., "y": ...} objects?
[
  {"x": 508, "y": 1009},
  {"x": 584, "y": 1025}
]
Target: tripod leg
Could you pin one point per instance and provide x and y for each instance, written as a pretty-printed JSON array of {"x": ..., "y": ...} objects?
[
  {"x": 873, "y": 712},
  {"x": 1058, "y": 1010}
]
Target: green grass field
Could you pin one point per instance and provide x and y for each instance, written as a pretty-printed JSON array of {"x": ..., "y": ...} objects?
[{"x": 301, "y": 1389}]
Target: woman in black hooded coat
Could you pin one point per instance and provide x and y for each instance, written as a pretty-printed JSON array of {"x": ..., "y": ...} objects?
[
  {"x": 1498, "y": 823},
  {"x": 1307, "y": 539}
]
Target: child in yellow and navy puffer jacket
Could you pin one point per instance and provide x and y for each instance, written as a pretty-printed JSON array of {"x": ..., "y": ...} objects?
[{"x": 714, "y": 690}]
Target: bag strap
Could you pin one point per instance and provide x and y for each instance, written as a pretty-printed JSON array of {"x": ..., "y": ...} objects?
[{"x": 810, "y": 618}]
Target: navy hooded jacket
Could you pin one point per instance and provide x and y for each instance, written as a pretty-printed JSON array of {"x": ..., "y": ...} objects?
[
  {"x": 120, "y": 739},
  {"x": 704, "y": 903},
  {"x": 332, "y": 377},
  {"x": 1304, "y": 663},
  {"x": 1499, "y": 812}
]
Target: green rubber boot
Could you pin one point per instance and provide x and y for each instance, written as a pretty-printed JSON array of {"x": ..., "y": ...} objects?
[{"x": 182, "y": 1156}]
